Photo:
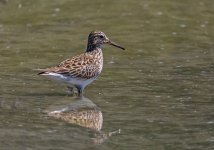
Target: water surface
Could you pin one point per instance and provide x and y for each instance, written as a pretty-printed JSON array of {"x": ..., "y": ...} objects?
[{"x": 159, "y": 91}]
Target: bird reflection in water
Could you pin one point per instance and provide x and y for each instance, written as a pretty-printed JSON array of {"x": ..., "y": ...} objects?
[{"x": 84, "y": 113}]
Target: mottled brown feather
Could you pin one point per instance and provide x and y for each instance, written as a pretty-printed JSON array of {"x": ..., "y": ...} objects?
[{"x": 86, "y": 65}]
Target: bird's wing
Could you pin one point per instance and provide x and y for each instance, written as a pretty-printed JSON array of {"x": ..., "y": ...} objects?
[{"x": 81, "y": 66}]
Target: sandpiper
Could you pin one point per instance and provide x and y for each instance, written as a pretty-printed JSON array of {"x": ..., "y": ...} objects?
[{"x": 81, "y": 70}]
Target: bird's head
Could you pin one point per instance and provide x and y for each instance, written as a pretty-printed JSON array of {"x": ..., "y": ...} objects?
[{"x": 98, "y": 38}]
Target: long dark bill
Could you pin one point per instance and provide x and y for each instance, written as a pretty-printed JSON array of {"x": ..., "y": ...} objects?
[{"x": 118, "y": 46}]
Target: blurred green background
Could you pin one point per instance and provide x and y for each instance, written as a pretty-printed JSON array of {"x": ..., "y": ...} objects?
[{"x": 159, "y": 91}]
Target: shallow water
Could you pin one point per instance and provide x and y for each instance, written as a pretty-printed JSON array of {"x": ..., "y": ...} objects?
[{"x": 159, "y": 92}]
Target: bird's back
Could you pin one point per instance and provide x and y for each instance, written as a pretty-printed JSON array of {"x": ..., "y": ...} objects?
[{"x": 86, "y": 65}]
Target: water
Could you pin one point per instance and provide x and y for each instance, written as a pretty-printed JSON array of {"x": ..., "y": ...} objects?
[{"x": 159, "y": 92}]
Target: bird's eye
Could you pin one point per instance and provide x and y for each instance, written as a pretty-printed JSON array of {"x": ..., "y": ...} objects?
[{"x": 101, "y": 36}]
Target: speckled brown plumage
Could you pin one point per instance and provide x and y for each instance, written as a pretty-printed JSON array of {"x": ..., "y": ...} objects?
[
  {"x": 84, "y": 66},
  {"x": 81, "y": 70}
]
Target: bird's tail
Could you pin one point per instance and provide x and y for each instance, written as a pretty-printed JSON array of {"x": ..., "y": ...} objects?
[{"x": 43, "y": 71}]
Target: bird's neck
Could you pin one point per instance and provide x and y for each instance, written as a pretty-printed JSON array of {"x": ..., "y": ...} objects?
[
  {"x": 92, "y": 47},
  {"x": 96, "y": 52}
]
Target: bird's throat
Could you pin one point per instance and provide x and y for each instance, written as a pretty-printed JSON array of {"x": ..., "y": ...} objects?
[{"x": 92, "y": 47}]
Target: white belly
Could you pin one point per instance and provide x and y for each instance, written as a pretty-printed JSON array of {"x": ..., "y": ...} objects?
[{"x": 69, "y": 80}]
